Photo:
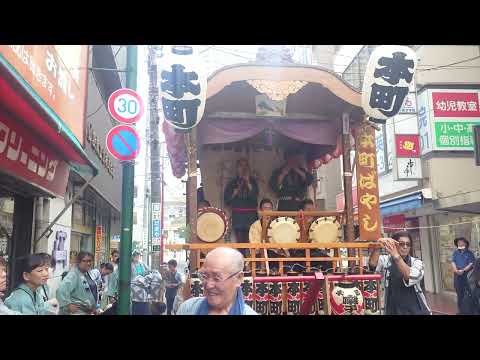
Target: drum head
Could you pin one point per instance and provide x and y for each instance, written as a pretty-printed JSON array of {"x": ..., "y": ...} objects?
[
  {"x": 255, "y": 237},
  {"x": 324, "y": 230},
  {"x": 283, "y": 230},
  {"x": 211, "y": 224}
]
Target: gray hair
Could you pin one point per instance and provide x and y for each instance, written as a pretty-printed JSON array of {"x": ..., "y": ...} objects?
[{"x": 237, "y": 260}]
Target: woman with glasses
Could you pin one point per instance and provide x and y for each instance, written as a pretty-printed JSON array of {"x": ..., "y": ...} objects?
[
  {"x": 402, "y": 274},
  {"x": 222, "y": 277},
  {"x": 77, "y": 293}
]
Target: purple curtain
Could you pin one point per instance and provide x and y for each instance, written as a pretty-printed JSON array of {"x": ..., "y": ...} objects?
[
  {"x": 220, "y": 131},
  {"x": 308, "y": 131}
]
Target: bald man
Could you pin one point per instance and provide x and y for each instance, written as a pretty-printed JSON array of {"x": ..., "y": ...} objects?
[{"x": 222, "y": 277}]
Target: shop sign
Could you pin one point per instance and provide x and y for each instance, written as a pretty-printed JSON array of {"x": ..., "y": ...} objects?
[
  {"x": 102, "y": 152},
  {"x": 446, "y": 119},
  {"x": 156, "y": 225},
  {"x": 98, "y": 238},
  {"x": 409, "y": 105},
  {"x": 454, "y": 134},
  {"x": 393, "y": 223},
  {"x": 407, "y": 168},
  {"x": 367, "y": 184},
  {"x": 455, "y": 104},
  {"x": 424, "y": 123},
  {"x": 58, "y": 75},
  {"x": 407, "y": 145},
  {"x": 25, "y": 156}
]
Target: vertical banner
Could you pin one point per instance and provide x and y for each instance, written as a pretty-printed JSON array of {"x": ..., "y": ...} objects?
[
  {"x": 98, "y": 241},
  {"x": 367, "y": 184},
  {"x": 156, "y": 231}
]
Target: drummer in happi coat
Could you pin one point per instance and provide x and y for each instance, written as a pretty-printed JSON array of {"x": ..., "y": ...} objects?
[{"x": 290, "y": 182}]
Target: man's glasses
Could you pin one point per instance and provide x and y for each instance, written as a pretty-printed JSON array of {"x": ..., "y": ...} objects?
[
  {"x": 404, "y": 244},
  {"x": 216, "y": 278}
]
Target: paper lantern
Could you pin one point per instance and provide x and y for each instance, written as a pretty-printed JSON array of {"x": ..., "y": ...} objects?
[
  {"x": 389, "y": 73},
  {"x": 183, "y": 85}
]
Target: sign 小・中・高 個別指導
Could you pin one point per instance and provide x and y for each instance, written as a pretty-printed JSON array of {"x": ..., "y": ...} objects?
[{"x": 446, "y": 119}]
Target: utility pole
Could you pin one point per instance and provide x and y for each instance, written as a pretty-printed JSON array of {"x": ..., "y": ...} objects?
[
  {"x": 128, "y": 171},
  {"x": 155, "y": 180},
  {"x": 146, "y": 200}
]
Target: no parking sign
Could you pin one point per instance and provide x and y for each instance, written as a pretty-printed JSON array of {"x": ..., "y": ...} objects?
[{"x": 123, "y": 142}]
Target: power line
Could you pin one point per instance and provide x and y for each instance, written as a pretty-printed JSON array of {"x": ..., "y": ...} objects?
[{"x": 455, "y": 63}]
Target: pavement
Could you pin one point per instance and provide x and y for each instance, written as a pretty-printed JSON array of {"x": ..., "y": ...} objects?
[{"x": 443, "y": 303}]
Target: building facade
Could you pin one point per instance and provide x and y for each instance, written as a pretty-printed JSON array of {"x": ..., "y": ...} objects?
[
  {"x": 61, "y": 190},
  {"x": 42, "y": 112}
]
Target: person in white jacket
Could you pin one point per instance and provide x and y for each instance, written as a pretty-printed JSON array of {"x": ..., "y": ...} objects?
[{"x": 402, "y": 274}]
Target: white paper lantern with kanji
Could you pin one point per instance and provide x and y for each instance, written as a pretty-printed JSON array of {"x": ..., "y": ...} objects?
[
  {"x": 183, "y": 86},
  {"x": 389, "y": 73}
]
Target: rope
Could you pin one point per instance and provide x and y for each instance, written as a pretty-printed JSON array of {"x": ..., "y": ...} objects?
[{"x": 433, "y": 226}]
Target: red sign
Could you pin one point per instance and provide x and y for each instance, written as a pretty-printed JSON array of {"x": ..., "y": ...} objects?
[
  {"x": 58, "y": 74},
  {"x": 394, "y": 223},
  {"x": 25, "y": 156},
  {"x": 455, "y": 104},
  {"x": 123, "y": 142},
  {"x": 125, "y": 105},
  {"x": 407, "y": 145},
  {"x": 340, "y": 199}
]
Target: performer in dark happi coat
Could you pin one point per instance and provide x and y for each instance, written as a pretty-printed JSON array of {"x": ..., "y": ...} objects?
[
  {"x": 241, "y": 195},
  {"x": 290, "y": 182}
]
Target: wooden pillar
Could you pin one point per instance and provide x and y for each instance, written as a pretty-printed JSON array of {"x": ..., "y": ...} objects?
[
  {"x": 347, "y": 178},
  {"x": 191, "y": 144}
]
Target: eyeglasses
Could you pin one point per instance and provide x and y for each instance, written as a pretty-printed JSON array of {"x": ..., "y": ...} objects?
[
  {"x": 216, "y": 278},
  {"x": 404, "y": 244}
]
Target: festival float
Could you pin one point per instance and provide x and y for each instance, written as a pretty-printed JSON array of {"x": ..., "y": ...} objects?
[{"x": 255, "y": 111}]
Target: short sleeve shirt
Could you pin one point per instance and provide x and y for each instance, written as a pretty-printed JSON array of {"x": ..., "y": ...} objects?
[{"x": 462, "y": 258}]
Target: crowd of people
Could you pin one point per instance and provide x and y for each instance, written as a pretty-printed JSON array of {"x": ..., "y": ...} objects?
[{"x": 84, "y": 290}]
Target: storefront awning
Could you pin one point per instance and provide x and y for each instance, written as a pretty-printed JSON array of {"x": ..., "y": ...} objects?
[
  {"x": 402, "y": 204},
  {"x": 21, "y": 101}
]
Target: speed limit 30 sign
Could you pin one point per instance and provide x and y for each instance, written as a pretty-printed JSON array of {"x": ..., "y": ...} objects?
[{"x": 126, "y": 106}]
